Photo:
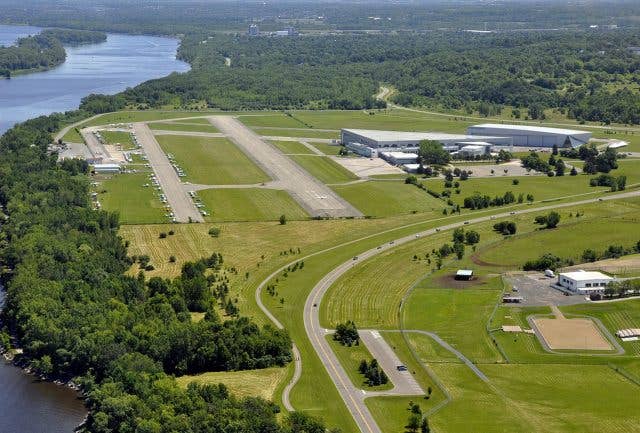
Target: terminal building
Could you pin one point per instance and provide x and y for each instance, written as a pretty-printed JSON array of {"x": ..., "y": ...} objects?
[
  {"x": 370, "y": 143},
  {"x": 533, "y": 136},
  {"x": 584, "y": 282}
]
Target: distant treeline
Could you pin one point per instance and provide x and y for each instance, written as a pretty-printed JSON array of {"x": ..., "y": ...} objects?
[
  {"x": 44, "y": 50},
  {"x": 585, "y": 75}
]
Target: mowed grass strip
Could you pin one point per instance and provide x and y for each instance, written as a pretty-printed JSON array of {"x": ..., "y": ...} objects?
[
  {"x": 170, "y": 126},
  {"x": 350, "y": 358},
  {"x": 211, "y": 161},
  {"x": 118, "y": 137},
  {"x": 124, "y": 193},
  {"x": 250, "y": 204},
  {"x": 324, "y": 168},
  {"x": 248, "y": 383},
  {"x": 327, "y": 149},
  {"x": 386, "y": 198},
  {"x": 303, "y": 133},
  {"x": 291, "y": 147}
]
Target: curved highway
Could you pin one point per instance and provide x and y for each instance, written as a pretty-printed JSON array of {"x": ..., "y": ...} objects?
[{"x": 352, "y": 396}]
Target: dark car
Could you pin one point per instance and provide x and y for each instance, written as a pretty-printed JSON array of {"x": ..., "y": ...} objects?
[{"x": 401, "y": 368}]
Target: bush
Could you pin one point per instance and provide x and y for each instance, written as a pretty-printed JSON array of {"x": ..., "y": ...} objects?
[
  {"x": 505, "y": 227},
  {"x": 546, "y": 261},
  {"x": 163, "y": 235},
  {"x": 214, "y": 232}
]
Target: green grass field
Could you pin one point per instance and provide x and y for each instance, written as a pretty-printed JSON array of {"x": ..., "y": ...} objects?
[
  {"x": 195, "y": 127},
  {"x": 277, "y": 120},
  {"x": 327, "y": 149},
  {"x": 291, "y": 147},
  {"x": 385, "y": 198},
  {"x": 350, "y": 358},
  {"x": 324, "y": 169},
  {"x": 250, "y": 204},
  {"x": 118, "y": 137},
  {"x": 303, "y": 133},
  {"x": 72, "y": 136},
  {"x": 211, "y": 161},
  {"x": 247, "y": 383},
  {"x": 124, "y": 193}
]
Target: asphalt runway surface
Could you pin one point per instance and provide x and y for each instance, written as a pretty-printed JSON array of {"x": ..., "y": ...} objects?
[
  {"x": 183, "y": 207},
  {"x": 316, "y": 198}
]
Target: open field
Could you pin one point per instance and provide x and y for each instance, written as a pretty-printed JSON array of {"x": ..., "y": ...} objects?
[
  {"x": 350, "y": 358},
  {"x": 324, "y": 169},
  {"x": 327, "y": 149},
  {"x": 211, "y": 161},
  {"x": 169, "y": 126},
  {"x": 273, "y": 119},
  {"x": 247, "y": 383},
  {"x": 124, "y": 193},
  {"x": 143, "y": 116},
  {"x": 118, "y": 137},
  {"x": 305, "y": 133},
  {"x": 250, "y": 204},
  {"x": 383, "y": 198},
  {"x": 291, "y": 147},
  {"x": 626, "y": 266},
  {"x": 571, "y": 237}
]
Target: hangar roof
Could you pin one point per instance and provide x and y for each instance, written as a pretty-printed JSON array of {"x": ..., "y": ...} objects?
[{"x": 531, "y": 128}]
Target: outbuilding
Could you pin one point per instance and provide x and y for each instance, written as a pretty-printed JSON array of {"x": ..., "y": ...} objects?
[
  {"x": 584, "y": 282},
  {"x": 106, "y": 168},
  {"x": 464, "y": 274}
]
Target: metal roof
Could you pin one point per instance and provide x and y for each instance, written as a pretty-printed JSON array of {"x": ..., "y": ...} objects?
[
  {"x": 379, "y": 135},
  {"x": 464, "y": 272},
  {"x": 586, "y": 275},
  {"x": 531, "y": 128}
]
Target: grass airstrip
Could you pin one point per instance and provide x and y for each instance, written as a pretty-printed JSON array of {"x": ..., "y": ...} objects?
[{"x": 528, "y": 389}]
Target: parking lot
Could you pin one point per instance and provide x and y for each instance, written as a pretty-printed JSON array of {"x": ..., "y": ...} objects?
[{"x": 536, "y": 290}]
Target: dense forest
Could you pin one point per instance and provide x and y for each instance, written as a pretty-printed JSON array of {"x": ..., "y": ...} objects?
[
  {"x": 76, "y": 314},
  {"x": 44, "y": 50},
  {"x": 588, "y": 75}
]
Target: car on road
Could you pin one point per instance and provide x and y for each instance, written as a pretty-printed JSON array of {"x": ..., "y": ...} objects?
[
  {"x": 379, "y": 247},
  {"x": 355, "y": 258},
  {"x": 401, "y": 368},
  {"x": 391, "y": 243},
  {"x": 466, "y": 222},
  {"x": 512, "y": 213}
]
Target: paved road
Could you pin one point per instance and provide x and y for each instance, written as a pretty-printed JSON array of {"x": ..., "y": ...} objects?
[
  {"x": 180, "y": 202},
  {"x": 354, "y": 398},
  {"x": 403, "y": 381},
  {"x": 315, "y": 197}
]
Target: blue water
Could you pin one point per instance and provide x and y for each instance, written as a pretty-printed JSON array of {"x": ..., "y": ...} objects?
[
  {"x": 110, "y": 67},
  {"x": 28, "y": 405}
]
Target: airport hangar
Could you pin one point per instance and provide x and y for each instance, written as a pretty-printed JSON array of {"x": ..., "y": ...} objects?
[
  {"x": 371, "y": 143},
  {"x": 533, "y": 136}
]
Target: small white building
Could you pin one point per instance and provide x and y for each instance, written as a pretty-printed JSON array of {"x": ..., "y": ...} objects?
[
  {"x": 584, "y": 282},
  {"x": 411, "y": 168},
  {"x": 399, "y": 158},
  {"x": 106, "y": 168}
]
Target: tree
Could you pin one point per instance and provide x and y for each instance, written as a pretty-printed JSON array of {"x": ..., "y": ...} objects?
[
  {"x": 347, "y": 333},
  {"x": 432, "y": 152},
  {"x": 560, "y": 167},
  {"x": 424, "y": 426},
  {"x": 283, "y": 219},
  {"x": 553, "y": 218},
  {"x": 574, "y": 171},
  {"x": 472, "y": 237},
  {"x": 214, "y": 232},
  {"x": 554, "y": 149},
  {"x": 589, "y": 255},
  {"x": 458, "y": 235},
  {"x": 413, "y": 424},
  {"x": 458, "y": 249}
]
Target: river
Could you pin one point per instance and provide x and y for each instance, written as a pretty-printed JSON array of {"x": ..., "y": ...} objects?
[
  {"x": 110, "y": 67},
  {"x": 26, "y": 404}
]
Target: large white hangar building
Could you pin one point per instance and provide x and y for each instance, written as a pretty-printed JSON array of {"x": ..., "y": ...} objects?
[
  {"x": 533, "y": 136},
  {"x": 370, "y": 142}
]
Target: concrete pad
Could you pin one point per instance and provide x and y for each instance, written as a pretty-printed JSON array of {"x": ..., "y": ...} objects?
[{"x": 363, "y": 167}]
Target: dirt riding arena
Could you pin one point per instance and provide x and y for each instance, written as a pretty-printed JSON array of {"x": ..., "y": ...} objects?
[{"x": 561, "y": 333}]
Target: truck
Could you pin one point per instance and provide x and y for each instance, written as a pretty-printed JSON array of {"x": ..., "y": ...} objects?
[{"x": 549, "y": 273}]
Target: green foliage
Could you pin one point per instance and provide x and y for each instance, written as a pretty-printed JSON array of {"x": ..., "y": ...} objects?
[
  {"x": 505, "y": 227},
  {"x": 550, "y": 221},
  {"x": 373, "y": 372},
  {"x": 546, "y": 261},
  {"x": 77, "y": 314},
  {"x": 432, "y": 152},
  {"x": 214, "y": 232},
  {"x": 283, "y": 220},
  {"x": 347, "y": 333}
]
